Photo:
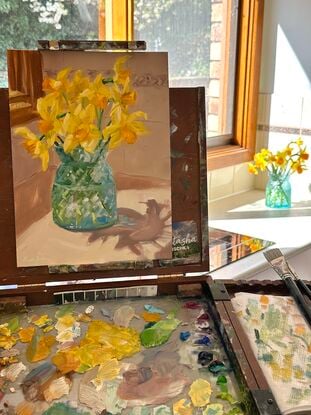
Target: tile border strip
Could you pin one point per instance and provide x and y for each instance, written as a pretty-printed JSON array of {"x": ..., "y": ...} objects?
[{"x": 284, "y": 130}]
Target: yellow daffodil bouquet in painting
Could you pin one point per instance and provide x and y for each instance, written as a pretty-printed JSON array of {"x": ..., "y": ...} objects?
[
  {"x": 280, "y": 165},
  {"x": 83, "y": 119}
]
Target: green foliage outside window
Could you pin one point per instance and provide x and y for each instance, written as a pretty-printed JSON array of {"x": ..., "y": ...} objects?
[{"x": 23, "y": 22}]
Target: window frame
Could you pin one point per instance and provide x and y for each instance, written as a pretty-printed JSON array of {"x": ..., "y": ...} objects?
[{"x": 249, "y": 42}]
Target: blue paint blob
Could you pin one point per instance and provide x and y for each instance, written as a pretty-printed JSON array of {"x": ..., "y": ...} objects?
[
  {"x": 203, "y": 340},
  {"x": 152, "y": 309},
  {"x": 184, "y": 335},
  {"x": 216, "y": 367}
]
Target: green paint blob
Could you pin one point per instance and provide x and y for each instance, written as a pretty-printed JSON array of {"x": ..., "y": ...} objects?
[
  {"x": 222, "y": 383},
  {"x": 140, "y": 410},
  {"x": 159, "y": 333},
  {"x": 267, "y": 357},
  {"x": 162, "y": 410},
  {"x": 226, "y": 396},
  {"x": 66, "y": 309},
  {"x": 13, "y": 324},
  {"x": 63, "y": 409},
  {"x": 234, "y": 411}
]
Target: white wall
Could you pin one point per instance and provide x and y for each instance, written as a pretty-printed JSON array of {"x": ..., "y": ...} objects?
[{"x": 285, "y": 83}]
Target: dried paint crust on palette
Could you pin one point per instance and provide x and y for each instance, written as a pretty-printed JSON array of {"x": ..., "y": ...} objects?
[{"x": 153, "y": 355}]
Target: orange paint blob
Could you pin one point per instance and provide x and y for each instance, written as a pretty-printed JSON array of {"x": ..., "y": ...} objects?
[
  {"x": 264, "y": 300},
  {"x": 151, "y": 317}
]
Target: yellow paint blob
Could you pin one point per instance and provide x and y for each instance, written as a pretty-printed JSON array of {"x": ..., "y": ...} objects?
[
  {"x": 26, "y": 334},
  {"x": 182, "y": 407},
  {"x": 102, "y": 342},
  {"x": 25, "y": 408},
  {"x": 42, "y": 320},
  {"x": 200, "y": 392},
  {"x": 107, "y": 371},
  {"x": 39, "y": 349},
  {"x": 7, "y": 340},
  {"x": 67, "y": 360}
]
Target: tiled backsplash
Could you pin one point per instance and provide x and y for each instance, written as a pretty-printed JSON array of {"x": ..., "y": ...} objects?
[{"x": 228, "y": 181}]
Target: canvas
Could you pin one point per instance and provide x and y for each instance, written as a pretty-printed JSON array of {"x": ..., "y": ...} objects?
[{"x": 91, "y": 157}]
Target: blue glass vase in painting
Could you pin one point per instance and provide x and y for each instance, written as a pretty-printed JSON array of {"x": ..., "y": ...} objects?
[{"x": 84, "y": 190}]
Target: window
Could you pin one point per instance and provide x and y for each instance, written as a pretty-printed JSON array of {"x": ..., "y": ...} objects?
[
  {"x": 215, "y": 43},
  {"x": 200, "y": 37}
]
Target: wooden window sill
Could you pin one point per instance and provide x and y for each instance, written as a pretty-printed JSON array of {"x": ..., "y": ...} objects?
[{"x": 224, "y": 156}]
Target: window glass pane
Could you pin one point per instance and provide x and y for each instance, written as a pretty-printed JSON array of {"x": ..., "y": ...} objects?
[
  {"x": 200, "y": 37},
  {"x": 23, "y": 22}
]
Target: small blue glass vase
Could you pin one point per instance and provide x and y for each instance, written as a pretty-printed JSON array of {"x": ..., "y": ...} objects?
[
  {"x": 278, "y": 191},
  {"x": 84, "y": 190}
]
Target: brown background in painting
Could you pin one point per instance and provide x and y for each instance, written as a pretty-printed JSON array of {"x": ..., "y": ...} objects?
[{"x": 189, "y": 201}]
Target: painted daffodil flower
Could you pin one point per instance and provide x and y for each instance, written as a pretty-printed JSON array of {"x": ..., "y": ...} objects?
[
  {"x": 79, "y": 129},
  {"x": 121, "y": 75},
  {"x": 57, "y": 87},
  {"x": 76, "y": 108},
  {"x": 49, "y": 123},
  {"x": 97, "y": 94},
  {"x": 123, "y": 96},
  {"x": 34, "y": 146},
  {"x": 79, "y": 83},
  {"x": 126, "y": 129}
]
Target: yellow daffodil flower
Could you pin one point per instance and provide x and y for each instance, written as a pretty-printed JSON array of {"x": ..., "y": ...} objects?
[
  {"x": 297, "y": 167},
  {"x": 252, "y": 169},
  {"x": 304, "y": 155},
  {"x": 98, "y": 94},
  {"x": 79, "y": 83},
  {"x": 48, "y": 113},
  {"x": 260, "y": 161},
  {"x": 292, "y": 159},
  {"x": 120, "y": 74},
  {"x": 281, "y": 159},
  {"x": 79, "y": 129},
  {"x": 57, "y": 86},
  {"x": 123, "y": 96},
  {"x": 126, "y": 129},
  {"x": 34, "y": 146},
  {"x": 75, "y": 107}
]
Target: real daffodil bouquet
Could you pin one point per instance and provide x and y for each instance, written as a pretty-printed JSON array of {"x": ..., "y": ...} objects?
[
  {"x": 77, "y": 111},
  {"x": 290, "y": 160}
]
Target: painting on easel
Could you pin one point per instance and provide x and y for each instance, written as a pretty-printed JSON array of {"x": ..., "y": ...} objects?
[{"x": 91, "y": 157}]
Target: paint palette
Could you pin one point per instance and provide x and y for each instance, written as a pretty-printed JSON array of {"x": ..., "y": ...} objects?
[{"x": 153, "y": 355}]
